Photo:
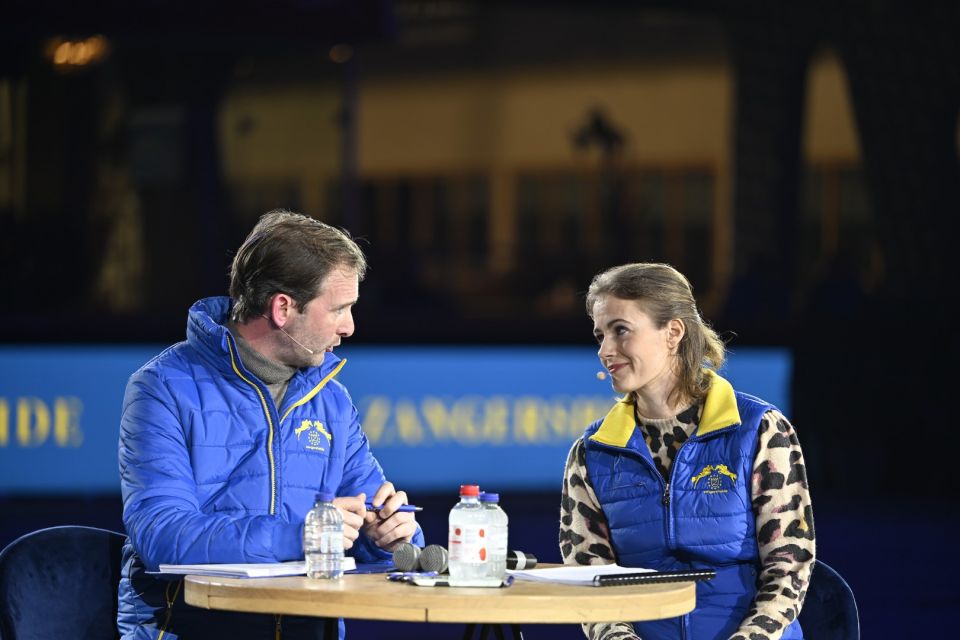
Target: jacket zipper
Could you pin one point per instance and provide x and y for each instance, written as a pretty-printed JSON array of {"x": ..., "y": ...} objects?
[
  {"x": 665, "y": 499},
  {"x": 270, "y": 435},
  {"x": 668, "y": 524}
]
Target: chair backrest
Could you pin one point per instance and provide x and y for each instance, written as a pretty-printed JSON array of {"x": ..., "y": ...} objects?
[
  {"x": 829, "y": 611},
  {"x": 60, "y": 582}
]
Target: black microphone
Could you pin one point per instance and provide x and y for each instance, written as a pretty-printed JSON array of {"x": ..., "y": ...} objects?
[
  {"x": 406, "y": 557},
  {"x": 433, "y": 558},
  {"x": 520, "y": 560}
]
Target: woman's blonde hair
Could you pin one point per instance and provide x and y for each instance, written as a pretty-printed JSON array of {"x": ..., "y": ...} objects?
[{"x": 665, "y": 294}]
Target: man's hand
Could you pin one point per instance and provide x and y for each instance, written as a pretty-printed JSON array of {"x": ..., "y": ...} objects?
[
  {"x": 389, "y": 527},
  {"x": 354, "y": 511}
]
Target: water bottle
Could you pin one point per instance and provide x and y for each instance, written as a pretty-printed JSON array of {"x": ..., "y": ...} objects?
[
  {"x": 467, "y": 549},
  {"x": 498, "y": 534},
  {"x": 323, "y": 539}
]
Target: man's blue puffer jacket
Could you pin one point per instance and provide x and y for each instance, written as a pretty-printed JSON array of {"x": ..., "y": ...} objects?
[{"x": 213, "y": 471}]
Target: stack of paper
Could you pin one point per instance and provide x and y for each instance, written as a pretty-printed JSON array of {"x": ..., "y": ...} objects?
[{"x": 252, "y": 570}]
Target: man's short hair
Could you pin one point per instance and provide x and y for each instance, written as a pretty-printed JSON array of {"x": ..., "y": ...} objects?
[{"x": 289, "y": 253}]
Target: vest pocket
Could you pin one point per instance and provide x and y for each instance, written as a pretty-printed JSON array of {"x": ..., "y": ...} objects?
[{"x": 625, "y": 490}]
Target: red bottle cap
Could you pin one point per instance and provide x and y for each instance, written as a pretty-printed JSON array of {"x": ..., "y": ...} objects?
[{"x": 469, "y": 490}]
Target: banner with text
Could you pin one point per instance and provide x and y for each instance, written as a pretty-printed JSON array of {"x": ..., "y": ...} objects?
[{"x": 436, "y": 417}]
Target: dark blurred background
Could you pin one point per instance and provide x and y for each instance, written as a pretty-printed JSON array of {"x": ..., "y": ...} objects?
[{"x": 798, "y": 161}]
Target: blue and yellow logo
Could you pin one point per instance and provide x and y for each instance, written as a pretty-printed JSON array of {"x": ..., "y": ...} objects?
[
  {"x": 714, "y": 475},
  {"x": 314, "y": 430}
]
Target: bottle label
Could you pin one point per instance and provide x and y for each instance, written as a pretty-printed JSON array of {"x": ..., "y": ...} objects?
[
  {"x": 500, "y": 544},
  {"x": 331, "y": 542},
  {"x": 468, "y": 543}
]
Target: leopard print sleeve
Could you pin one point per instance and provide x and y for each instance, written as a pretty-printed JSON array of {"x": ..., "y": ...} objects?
[
  {"x": 585, "y": 536},
  {"x": 785, "y": 536}
]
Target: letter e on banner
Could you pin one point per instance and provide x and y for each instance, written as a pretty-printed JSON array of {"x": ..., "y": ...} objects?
[{"x": 66, "y": 421}]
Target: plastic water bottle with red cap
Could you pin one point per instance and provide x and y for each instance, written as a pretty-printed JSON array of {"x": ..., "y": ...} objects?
[{"x": 468, "y": 552}]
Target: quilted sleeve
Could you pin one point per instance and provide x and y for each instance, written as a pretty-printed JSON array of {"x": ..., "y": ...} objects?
[{"x": 161, "y": 510}]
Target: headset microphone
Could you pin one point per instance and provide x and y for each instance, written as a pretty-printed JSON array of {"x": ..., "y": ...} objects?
[{"x": 299, "y": 344}]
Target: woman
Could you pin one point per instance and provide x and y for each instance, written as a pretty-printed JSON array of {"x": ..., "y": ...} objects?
[{"x": 684, "y": 472}]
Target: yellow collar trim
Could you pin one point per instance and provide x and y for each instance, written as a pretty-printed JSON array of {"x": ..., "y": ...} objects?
[
  {"x": 719, "y": 411},
  {"x": 315, "y": 390},
  {"x": 618, "y": 426},
  {"x": 720, "y": 408}
]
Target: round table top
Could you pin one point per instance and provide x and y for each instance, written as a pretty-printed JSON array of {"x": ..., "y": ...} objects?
[{"x": 373, "y": 597}]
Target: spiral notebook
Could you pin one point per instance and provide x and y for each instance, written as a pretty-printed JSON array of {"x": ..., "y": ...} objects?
[
  {"x": 609, "y": 575},
  {"x": 654, "y": 577}
]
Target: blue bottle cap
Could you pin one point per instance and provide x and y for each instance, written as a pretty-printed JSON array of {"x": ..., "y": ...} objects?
[
  {"x": 325, "y": 496},
  {"x": 486, "y": 496}
]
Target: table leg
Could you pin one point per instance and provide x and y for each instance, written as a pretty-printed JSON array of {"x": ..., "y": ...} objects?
[
  {"x": 497, "y": 629},
  {"x": 331, "y": 628}
]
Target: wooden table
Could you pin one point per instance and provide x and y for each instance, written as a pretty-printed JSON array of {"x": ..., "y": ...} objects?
[{"x": 373, "y": 597}]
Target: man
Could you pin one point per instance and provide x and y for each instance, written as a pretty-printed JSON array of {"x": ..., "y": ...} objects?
[{"x": 227, "y": 437}]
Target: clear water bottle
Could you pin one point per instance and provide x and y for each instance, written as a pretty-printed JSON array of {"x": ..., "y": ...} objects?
[
  {"x": 468, "y": 557},
  {"x": 498, "y": 522},
  {"x": 323, "y": 539}
]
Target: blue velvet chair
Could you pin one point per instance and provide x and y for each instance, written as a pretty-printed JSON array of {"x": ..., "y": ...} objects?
[
  {"x": 60, "y": 582},
  {"x": 829, "y": 611}
]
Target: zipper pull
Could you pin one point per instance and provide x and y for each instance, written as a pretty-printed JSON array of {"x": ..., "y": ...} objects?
[{"x": 666, "y": 495}]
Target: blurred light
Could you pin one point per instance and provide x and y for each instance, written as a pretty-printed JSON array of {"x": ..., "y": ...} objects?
[
  {"x": 340, "y": 53},
  {"x": 66, "y": 54}
]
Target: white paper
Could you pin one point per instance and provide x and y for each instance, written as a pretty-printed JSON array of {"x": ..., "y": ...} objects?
[
  {"x": 251, "y": 570},
  {"x": 574, "y": 574},
  {"x": 447, "y": 581}
]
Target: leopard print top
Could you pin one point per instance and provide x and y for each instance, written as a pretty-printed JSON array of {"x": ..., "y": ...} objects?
[{"x": 781, "y": 506}]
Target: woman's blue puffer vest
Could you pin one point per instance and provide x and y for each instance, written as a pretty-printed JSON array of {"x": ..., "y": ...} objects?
[{"x": 700, "y": 517}]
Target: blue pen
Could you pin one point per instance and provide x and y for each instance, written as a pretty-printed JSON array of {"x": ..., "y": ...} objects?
[{"x": 404, "y": 508}]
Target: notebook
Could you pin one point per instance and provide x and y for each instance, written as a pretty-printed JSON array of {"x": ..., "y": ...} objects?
[
  {"x": 249, "y": 570},
  {"x": 608, "y": 575}
]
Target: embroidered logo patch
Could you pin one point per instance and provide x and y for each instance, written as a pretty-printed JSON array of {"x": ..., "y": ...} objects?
[
  {"x": 712, "y": 476},
  {"x": 315, "y": 434}
]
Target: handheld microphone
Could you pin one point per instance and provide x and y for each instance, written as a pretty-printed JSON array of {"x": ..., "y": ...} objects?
[
  {"x": 520, "y": 560},
  {"x": 433, "y": 558},
  {"x": 299, "y": 344},
  {"x": 406, "y": 557}
]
